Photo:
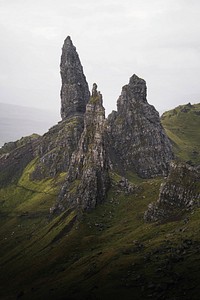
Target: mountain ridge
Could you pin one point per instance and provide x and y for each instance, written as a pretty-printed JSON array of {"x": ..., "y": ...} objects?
[{"x": 185, "y": 139}]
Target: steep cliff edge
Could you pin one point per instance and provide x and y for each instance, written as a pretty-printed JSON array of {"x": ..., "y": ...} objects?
[{"x": 137, "y": 139}]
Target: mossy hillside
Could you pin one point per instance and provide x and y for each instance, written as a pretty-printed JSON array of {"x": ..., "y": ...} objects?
[
  {"x": 28, "y": 195},
  {"x": 14, "y": 157},
  {"x": 76, "y": 240},
  {"x": 110, "y": 252},
  {"x": 13, "y": 164},
  {"x": 25, "y": 209},
  {"x": 182, "y": 126}
]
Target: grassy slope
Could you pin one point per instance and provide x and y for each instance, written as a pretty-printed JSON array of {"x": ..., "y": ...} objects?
[
  {"x": 109, "y": 253},
  {"x": 182, "y": 125}
]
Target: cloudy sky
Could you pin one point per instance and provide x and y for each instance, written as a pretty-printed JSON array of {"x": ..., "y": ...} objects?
[{"x": 159, "y": 40}]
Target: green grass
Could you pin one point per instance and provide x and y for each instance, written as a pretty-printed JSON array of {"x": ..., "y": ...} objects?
[
  {"x": 108, "y": 253},
  {"x": 182, "y": 126}
]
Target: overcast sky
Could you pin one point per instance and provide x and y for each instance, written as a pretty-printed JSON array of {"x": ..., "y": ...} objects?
[{"x": 159, "y": 40}]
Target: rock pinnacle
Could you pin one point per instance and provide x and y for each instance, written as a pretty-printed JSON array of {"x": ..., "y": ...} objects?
[{"x": 74, "y": 91}]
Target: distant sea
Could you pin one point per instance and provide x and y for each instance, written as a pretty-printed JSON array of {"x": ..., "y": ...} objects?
[{"x": 19, "y": 121}]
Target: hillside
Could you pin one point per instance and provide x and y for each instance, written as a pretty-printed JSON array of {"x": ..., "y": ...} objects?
[
  {"x": 101, "y": 208},
  {"x": 182, "y": 126},
  {"x": 17, "y": 121},
  {"x": 110, "y": 252}
]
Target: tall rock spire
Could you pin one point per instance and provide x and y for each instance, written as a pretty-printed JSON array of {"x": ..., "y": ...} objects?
[
  {"x": 58, "y": 144},
  {"x": 74, "y": 91},
  {"x": 88, "y": 178}
]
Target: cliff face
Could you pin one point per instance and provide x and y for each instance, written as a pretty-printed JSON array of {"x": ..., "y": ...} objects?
[
  {"x": 137, "y": 139},
  {"x": 180, "y": 193},
  {"x": 88, "y": 180}
]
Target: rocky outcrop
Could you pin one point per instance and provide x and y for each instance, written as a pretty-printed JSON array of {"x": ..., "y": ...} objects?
[
  {"x": 58, "y": 144},
  {"x": 137, "y": 139},
  {"x": 180, "y": 193},
  {"x": 88, "y": 180},
  {"x": 15, "y": 156},
  {"x": 85, "y": 145},
  {"x": 56, "y": 148},
  {"x": 74, "y": 92}
]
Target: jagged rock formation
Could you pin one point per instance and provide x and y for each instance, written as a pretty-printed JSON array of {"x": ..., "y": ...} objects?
[
  {"x": 86, "y": 145},
  {"x": 74, "y": 92},
  {"x": 137, "y": 139},
  {"x": 110, "y": 252},
  {"x": 61, "y": 141},
  {"x": 56, "y": 148},
  {"x": 88, "y": 180},
  {"x": 180, "y": 193}
]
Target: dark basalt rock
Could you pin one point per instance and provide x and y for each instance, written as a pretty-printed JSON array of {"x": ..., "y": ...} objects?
[
  {"x": 180, "y": 193},
  {"x": 137, "y": 139},
  {"x": 74, "y": 92},
  {"x": 88, "y": 180}
]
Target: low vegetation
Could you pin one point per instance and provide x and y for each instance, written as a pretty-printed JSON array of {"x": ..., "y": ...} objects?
[
  {"x": 182, "y": 126},
  {"x": 108, "y": 253}
]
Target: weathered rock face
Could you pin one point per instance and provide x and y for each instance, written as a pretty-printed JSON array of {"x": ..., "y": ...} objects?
[
  {"x": 88, "y": 180},
  {"x": 74, "y": 92},
  {"x": 56, "y": 148},
  {"x": 58, "y": 144},
  {"x": 180, "y": 193},
  {"x": 137, "y": 139}
]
